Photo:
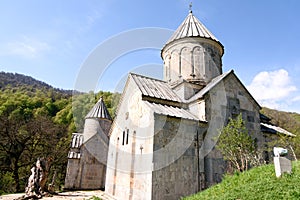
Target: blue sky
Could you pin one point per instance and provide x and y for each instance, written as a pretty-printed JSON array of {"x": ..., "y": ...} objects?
[{"x": 51, "y": 40}]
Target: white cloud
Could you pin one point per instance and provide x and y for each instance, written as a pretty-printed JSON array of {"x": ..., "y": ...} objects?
[
  {"x": 26, "y": 47},
  {"x": 272, "y": 89}
]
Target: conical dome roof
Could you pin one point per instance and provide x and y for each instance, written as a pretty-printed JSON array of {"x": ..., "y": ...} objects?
[
  {"x": 192, "y": 27},
  {"x": 99, "y": 111}
]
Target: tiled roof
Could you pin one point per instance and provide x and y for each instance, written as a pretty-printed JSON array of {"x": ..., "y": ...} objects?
[
  {"x": 99, "y": 111},
  {"x": 171, "y": 111},
  {"x": 192, "y": 27},
  {"x": 277, "y": 129},
  {"x": 77, "y": 140},
  {"x": 155, "y": 88}
]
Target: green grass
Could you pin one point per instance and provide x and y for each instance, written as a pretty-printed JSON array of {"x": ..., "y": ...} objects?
[
  {"x": 257, "y": 183},
  {"x": 94, "y": 198}
]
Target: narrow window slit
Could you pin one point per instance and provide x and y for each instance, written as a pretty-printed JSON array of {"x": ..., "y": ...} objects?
[
  {"x": 127, "y": 136},
  {"x": 123, "y": 138}
]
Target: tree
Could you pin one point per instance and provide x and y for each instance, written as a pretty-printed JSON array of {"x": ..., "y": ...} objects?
[
  {"x": 236, "y": 144},
  {"x": 39, "y": 124},
  {"x": 27, "y": 134},
  {"x": 290, "y": 121}
]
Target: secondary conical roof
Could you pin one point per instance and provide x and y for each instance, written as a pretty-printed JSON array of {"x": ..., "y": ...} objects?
[
  {"x": 192, "y": 27},
  {"x": 99, "y": 111}
]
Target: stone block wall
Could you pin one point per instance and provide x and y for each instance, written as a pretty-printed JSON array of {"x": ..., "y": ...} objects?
[
  {"x": 72, "y": 174},
  {"x": 105, "y": 125},
  {"x": 89, "y": 171},
  {"x": 175, "y": 159},
  {"x": 227, "y": 100},
  {"x": 199, "y": 57},
  {"x": 92, "y": 172}
]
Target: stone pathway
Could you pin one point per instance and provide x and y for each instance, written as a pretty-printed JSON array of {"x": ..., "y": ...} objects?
[{"x": 76, "y": 195}]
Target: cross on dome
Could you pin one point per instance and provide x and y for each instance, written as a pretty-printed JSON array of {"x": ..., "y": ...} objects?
[{"x": 190, "y": 7}]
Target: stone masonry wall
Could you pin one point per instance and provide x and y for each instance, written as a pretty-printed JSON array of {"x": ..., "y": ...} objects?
[
  {"x": 92, "y": 172},
  {"x": 175, "y": 159},
  {"x": 130, "y": 148},
  {"x": 228, "y": 99},
  {"x": 72, "y": 174},
  {"x": 192, "y": 59}
]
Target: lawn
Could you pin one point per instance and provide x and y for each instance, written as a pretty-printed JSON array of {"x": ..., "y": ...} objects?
[{"x": 257, "y": 183}]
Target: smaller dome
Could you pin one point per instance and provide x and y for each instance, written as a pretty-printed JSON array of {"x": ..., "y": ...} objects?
[{"x": 99, "y": 111}]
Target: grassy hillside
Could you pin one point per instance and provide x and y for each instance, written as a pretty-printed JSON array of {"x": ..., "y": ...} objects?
[{"x": 257, "y": 183}]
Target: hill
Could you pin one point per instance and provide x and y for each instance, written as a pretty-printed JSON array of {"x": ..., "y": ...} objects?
[
  {"x": 26, "y": 83},
  {"x": 288, "y": 120},
  {"x": 37, "y": 121},
  {"x": 257, "y": 183}
]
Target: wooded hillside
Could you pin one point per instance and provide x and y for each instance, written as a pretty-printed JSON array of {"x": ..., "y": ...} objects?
[
  {"x": 289, "y": 120},
  {"x": 23, "y": 82},
  {"x": 37, "y": 120}
]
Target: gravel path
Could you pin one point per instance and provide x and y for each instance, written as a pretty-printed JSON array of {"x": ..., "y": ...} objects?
[{"x": 76, "y": 195}]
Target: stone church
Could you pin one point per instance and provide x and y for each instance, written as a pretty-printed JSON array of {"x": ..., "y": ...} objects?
[
  {"x": 88, "y": 153},
  {"x": 161, "y": 143}
]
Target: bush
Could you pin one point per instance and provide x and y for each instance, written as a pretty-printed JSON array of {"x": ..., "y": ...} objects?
[{"x": 7, "y": 183}]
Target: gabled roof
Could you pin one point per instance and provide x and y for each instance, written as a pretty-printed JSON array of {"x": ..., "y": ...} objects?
[
  {"x": 171, "y": 111},
  {"x": 99, "y": 111},
  {"x": 209, "y": 86},
  {"x": 192, "y": 27},
  {"x": 155, "y": 88},
  {"x": 215, "y": 82},
  {"x": 158, "y": 89}
]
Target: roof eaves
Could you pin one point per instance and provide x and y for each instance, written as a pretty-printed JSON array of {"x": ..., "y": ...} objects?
[
  {"x": 172, "y": 111},
  {"x": 154, "y": 88},
  {"x": 278, "y": 129}
]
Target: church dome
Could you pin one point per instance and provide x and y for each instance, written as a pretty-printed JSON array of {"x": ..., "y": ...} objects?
[
  {"x": 192, "y": 54},
  {"x": 192, "y": 27},
  {"x": 99, "y": 111},
  {"x": 97, "y": 121}
]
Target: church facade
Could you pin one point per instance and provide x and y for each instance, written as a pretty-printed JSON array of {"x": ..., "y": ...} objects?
[
  {"x": 161, "y": 144},
  {"x": 162, "y": 139}
]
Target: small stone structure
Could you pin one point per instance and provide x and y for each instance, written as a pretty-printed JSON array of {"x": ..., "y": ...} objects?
[
  {"x": 281, "y": 163},
  {"x": 87, "y": 157}
]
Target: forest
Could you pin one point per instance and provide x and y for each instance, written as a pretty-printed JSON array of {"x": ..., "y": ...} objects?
[{"x": 37, "y": 121}]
